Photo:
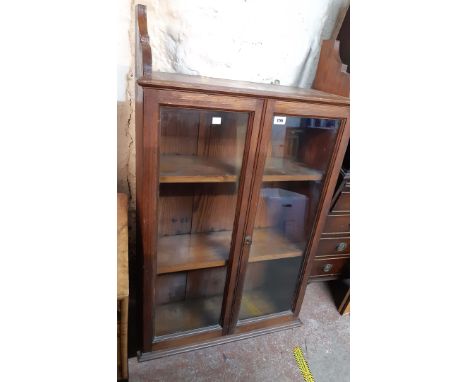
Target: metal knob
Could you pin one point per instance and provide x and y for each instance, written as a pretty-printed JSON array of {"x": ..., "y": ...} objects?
[
  {"x": 327, "y": 267},
  {"x": 341, "y": 247},
  {"x": 248, "y": 240}
]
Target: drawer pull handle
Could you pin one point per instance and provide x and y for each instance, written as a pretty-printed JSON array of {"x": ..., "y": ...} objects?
[
  {"x": 341, "y": 247},
  {"x": 327, "y": 267}
]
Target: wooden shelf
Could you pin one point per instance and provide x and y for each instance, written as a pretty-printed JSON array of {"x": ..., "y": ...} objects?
[
  {"x": 193, "y": 251},
  {"x": 199, "y": 169},
  {"x": 195, "y": 169},
  {"x": 268, "y": 244},
  {"x": 187, "y": 315},
  {"x": 282, "y": 170},
  {"x": 207, "y": 250}
]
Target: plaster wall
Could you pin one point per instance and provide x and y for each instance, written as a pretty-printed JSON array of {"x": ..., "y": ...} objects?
[{"x": 252, "y": 40}]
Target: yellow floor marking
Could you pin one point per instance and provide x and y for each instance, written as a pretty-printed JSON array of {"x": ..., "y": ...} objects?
[{"x": 303, "y": 366}]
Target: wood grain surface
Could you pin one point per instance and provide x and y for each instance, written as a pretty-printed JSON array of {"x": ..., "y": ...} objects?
[
  {"x": 241, "y": 88},
  {"x": 122, "y": 246}
]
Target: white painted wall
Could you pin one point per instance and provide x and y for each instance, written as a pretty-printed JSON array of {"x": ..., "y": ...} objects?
[{"x": 251, "y": 40}]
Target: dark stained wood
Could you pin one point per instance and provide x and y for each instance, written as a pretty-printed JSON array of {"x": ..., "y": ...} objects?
[
  {"x": 170, "y": 287},
  {"x": 240, "y": 88},
  {"x": 331, "y": 72},
  {"x": 335, "y": 240},
  {"x": 198, "y": 191},
  {"x": 203, "y": 101},
  {"x": 178, "y": 253},
  {"x": 193, "y": 251},
  {"x": 206, "y": 283},
  {"x": 307, "y": 110},
  {"x": 202, "y": 169},
  {"x": 332, "y": 246},
  {"x": 323, "y": 208},
  {"x": 337, "y": 223},
  {"x": 149, "y": 212},
  {"x": 144, "y": 60},
  {"x": 183, "y": 342},
  {"x": 213, "y": 337},
  {"x": 248, "y": 174},
  {"x": 214, "y": 207},
  {"x": 175, "y": 209},
  {"x": 329, "y": 266},
  {"x": 340, "y": 290},
  {"x": 282, "y": 318},
  {"x": 238, "y": 265},
  {"x": 343, "y": 203}
]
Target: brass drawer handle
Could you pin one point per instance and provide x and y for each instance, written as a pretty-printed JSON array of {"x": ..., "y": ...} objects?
[
  {"x": 327, "y": 267},
  {"x": 341, "y": 247}
]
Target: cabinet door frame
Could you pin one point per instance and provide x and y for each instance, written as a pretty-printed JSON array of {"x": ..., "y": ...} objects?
[
  {"x": 148, "y": 195},
  {"x": 301, "y": 109}
]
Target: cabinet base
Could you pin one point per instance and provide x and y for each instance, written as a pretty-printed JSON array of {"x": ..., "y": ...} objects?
[{"x": 217, "y": 341}]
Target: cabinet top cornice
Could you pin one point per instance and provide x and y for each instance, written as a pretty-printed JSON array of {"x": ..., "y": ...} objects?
[{"x": 243, "y": 88}]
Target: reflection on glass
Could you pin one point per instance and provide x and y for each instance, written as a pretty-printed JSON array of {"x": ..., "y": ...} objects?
[
  {"x": 298, "y": 158},
  {"x": 201, "y": 155}
]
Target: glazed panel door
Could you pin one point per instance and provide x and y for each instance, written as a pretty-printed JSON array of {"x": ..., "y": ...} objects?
[
  {"x": 202, "y": 150},
  {"x": 298, "y": 158}
]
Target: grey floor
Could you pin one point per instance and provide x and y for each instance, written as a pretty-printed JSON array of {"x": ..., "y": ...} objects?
[{"x": 324, "y": 339}]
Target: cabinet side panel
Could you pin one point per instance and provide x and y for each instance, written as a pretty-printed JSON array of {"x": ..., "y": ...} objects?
[{"x": 148, "y": 210}]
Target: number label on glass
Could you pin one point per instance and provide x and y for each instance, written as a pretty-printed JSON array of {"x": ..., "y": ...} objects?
[
  {"x": 216, "y": 121},
  {"x": 279, "y": 121}
]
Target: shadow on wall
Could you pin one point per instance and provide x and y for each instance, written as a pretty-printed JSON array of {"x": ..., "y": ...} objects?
[{"x": 126, "y": 150}]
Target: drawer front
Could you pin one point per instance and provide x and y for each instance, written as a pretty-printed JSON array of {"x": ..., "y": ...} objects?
[
  {"x": 330, "y": 267},
  {"x": 337, "y": 224},
  {"x": 343, "y": 202},
  {"x": 333, "y": 246}
]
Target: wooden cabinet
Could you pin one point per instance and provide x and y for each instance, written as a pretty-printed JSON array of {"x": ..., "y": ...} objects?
[
  {"x": 332, "y": 259},
  {"x": 234, "y": 182}
]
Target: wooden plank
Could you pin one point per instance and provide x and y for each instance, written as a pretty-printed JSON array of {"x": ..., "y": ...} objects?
[
  {"x": 200, "y": 169},
  {"x": 207, "y": 250},
  {"x": 238, "y": 88},
  {"x": 193, "y": 251},
  {"x": 284, "y": 169},
  {"x": 269, "y": 244},
  {"x": 122, "y": 246},
  {"x": 214, "y": 207},
  {"x": 197, "y": 340},
  {"x": 123, "y": 332},
  {"x": 195, "y": 169}
]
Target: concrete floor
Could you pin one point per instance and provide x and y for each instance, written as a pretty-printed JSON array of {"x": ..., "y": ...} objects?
[{"x": 324, "y": 339}]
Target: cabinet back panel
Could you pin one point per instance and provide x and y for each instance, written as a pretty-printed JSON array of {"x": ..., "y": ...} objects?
[
  {"x": 206, "y": 282},
  {"x": 179, "y": 131},
  {"x": 171, "y": 287},
  {"x": 196, "y": 208},
  {"x": 175, "y": 209},
  {"x": 214, "y": 207}
]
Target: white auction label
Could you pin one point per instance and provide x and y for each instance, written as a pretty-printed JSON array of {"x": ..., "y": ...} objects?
[
  {"x": 279, "y": 121},
  {"x": 216, "y": 121}
]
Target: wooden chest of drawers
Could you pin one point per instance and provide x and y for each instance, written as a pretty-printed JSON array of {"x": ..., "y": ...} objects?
[{"x": 333, "y": 254}]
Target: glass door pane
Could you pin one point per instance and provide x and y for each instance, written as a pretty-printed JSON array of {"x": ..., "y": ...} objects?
[
  {"x": 201, "y": 154},
  {"x": 299, "y": 154}
]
